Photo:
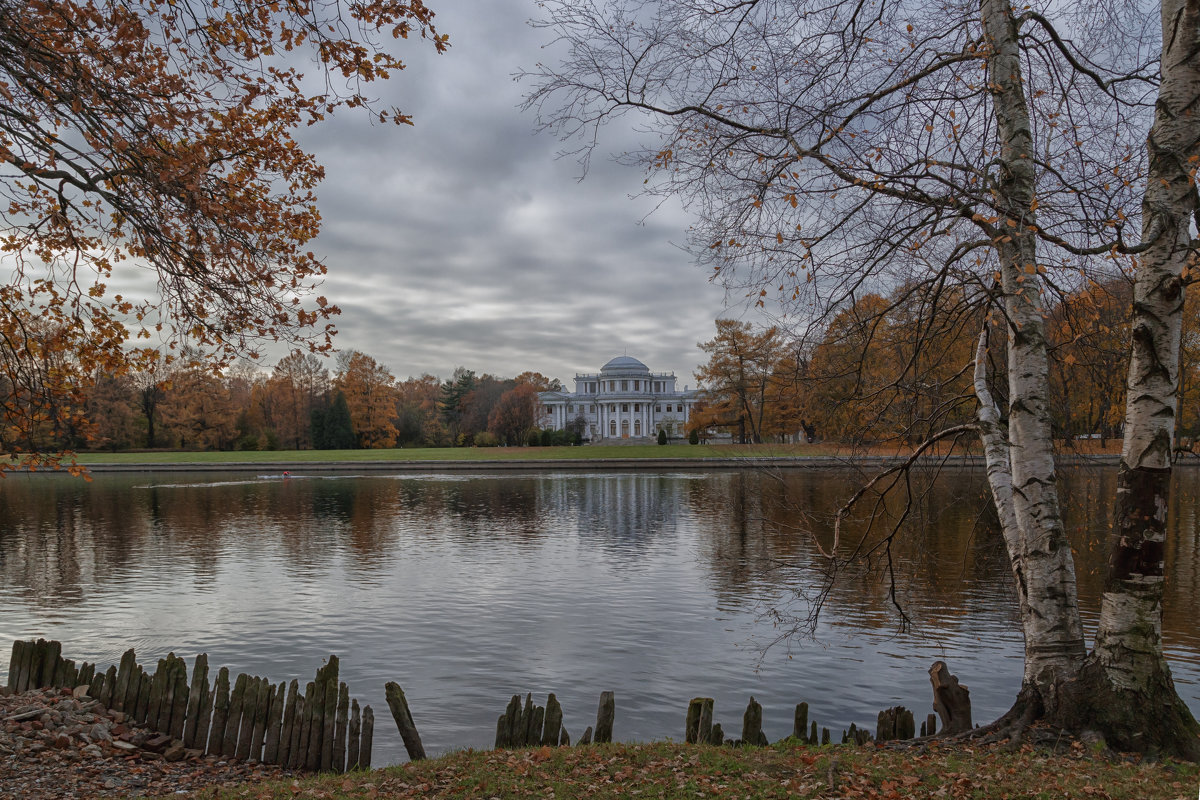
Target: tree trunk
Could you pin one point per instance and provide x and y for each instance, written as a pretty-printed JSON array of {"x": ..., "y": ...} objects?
[
  {"x": 1129, "y": 683},
  {"x": 1025, "y": 481}
]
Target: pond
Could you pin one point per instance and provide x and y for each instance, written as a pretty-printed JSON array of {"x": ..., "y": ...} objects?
[{"x": 467, "y": 589}]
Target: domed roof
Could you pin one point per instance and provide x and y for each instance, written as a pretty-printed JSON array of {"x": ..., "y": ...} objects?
[{"x": 624, "y": 364}]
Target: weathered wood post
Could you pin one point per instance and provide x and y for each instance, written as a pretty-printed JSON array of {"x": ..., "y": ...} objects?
[
  {"x": 196, "y": 699},
  {"x": 365, "y": 739},
  {"x": 691, "y": 725},
  {"x": 353, "y": 733},
  {"x": 50, "y": 658},
  {"x": 287, "y": 725},
  {"x": 398, "y": 703},
  {"x": 262, "y": 714},
  {"x": 339, "y": 731},
  {"x": 716, "y": 735},
  {"x": 274, "y": 724},
  {"x": 605, "y": 717},
  {"x": 124, "y": 674},
  {"x": 237, "y": 700},
  {"x": 752, "y": 724},
  {"x": 329, "y": 713},
  {"x": 951, "y": 700},
  {"x": 800, "y": 723},
  {"x": 220, "y": 717},
  {"x": 552, "y": 727}
]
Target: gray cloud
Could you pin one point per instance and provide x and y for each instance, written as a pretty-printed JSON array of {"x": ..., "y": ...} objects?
[{"x": 464, "y": 241}]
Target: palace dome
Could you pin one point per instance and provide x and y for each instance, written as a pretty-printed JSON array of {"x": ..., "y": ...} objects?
[{"x": 624, "y": 364}]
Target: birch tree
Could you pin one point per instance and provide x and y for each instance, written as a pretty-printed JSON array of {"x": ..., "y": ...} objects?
[{"x": 829, "y": 150}]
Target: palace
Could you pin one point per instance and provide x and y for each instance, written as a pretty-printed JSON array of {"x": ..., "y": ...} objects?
[{"x": 625, "y": 400}]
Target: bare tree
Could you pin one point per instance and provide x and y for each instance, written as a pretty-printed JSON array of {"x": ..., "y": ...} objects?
[{"x": 830, "y": 150}]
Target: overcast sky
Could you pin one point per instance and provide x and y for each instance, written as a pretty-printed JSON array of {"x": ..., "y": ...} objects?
[{"x": 463, "y": 241}]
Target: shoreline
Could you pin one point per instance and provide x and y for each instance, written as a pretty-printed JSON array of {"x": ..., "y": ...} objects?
[{"x": 581, "y": 464}]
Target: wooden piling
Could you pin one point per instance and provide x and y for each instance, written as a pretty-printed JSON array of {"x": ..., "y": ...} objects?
[
  {"x": 951, "y": 700},
  {"x": 512, "y": 716},
  {"x": 14, "y": 664},
  {"x": 329, "y": 713},
  {"x": 288, "y": 725},
  {"x": 931, "y": 725},
  {"x": 339, "y": 730},
  {"x": 691, "y": 724},
  {"x": 125, "y": 674},
  {"x": 237, "y": 705},
  {"x": 398, "y": 704},
  {"x": 142, "y": 710},
  {"x": 800, "y": 724},
  {"x": 752, "y": 724},
  {"x": 551, "y": 728},
  {"x": 716, "y": 735},
  {"x": 312, "y": 759},
  {"x": 178, "y": 696},
  {"x": 220, "y": 717},
  {"x": 52, "y": 654},
  {"x": 204, "y": 717},
  {"x": 106, "y": 689},
  {"x": 353, "y": 733},
  {"x": 366, "y": 738},
  {"x": 195, "y": 699},
  {"x": 296, "y": 751},
  {"x": 275, "y": 725},
  {"x": 33, "y": 674},
  {"x": 812, "y": 732},
  {"x": 249, "y": 710},
  {"x": 586, "y": 738},
  {"x": 605, "y": 716},
  {"x": 86, "y": 673},
  {"x": 310, "y": 698},
  {"x": 158, "y": 688},
  {"x": 262, "y": 713}
]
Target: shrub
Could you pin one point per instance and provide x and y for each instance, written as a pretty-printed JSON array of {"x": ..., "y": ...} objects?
[
  {"x": 662, "y": 436},
  {"x": 486, "y": 439},
  {"x": 694, "y": 437}
]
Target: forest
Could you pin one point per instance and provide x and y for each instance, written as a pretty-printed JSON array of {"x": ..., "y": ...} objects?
[{"x": 881, "y": 371}]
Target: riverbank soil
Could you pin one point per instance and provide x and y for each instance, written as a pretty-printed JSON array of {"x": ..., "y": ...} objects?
[{"x": 668, "y": 770}]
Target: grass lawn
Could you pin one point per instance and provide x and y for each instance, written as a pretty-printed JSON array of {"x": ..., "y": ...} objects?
[
  {"x": 461, "y": 454},
  {"x": 675, "y": 771}
]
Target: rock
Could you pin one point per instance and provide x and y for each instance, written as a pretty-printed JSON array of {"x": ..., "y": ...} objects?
[
  {"x": 125, "y": 746},
  {"x": 62, "y": 741},
  {"x": 175, "y": 753},
  {"x": 80, "y": 692},
  {"x": 93, "y": 750},
  {"x": 156, "y": 744}
]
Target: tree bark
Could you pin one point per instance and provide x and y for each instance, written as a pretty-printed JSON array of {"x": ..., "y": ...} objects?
[
  {"x": 1038, "y": 550},
  {"x": 1132, "y": 691}
]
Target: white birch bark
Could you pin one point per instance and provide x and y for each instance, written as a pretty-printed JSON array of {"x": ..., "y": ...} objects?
[
  {"x": 1129, "y": 635},
  {"x": 1041, "y": 556}
]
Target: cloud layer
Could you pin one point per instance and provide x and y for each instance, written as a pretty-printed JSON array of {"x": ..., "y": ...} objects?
[{"x": 464, "y": 241}]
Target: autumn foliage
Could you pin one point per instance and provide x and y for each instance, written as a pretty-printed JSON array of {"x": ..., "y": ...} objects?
[{"x": 139, "y": 134}]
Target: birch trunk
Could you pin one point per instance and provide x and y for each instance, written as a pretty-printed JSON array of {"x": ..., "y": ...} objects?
[
  {"x": 1141, "y": 708},
  {"x": 1038, "y": 549}
]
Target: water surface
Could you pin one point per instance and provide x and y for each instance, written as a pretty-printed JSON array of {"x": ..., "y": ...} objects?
[{"x": 466, "y": 589}]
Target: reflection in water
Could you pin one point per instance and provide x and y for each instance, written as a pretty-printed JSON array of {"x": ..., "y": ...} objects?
[{"x": 466, "y": 589}]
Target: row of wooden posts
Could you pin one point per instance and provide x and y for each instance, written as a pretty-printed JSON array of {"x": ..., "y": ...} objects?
[
  {"x": 323, "y": 729},
  {"x": 319, "y": 729}
]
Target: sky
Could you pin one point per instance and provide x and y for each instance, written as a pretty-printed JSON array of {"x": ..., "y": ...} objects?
[{"x": 465, "y": 241}]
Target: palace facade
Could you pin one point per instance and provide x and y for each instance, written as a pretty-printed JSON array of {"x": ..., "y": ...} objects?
[{"x": 625, "y": 400}]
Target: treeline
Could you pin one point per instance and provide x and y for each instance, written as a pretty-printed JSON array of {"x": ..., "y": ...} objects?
[
  {"x": 888, "y": 369},
  {"x": 300, "y": 404}
]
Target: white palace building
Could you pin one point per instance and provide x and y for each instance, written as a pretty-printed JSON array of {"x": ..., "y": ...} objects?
[{"x": 625, "y": 400}]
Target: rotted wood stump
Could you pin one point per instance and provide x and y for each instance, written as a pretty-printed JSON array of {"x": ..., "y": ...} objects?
[{"x": 951, "y": 700}]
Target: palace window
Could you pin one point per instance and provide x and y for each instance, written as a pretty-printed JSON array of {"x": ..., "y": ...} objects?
[
  {"x": 570, "y": 408},
  {"x": 612, "y": 427},
  {"x": 637, "y": 386},
  {"x": 624, "y": 406},
  {"x": 637, "y": 427},
  {"x": 612, "y": 407},
  {"x": 658, "y": 409},
  {"x": 637, "y": 407},
  {"x": 591, "y": 409},
  {"x": 624, "y": 386}
]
